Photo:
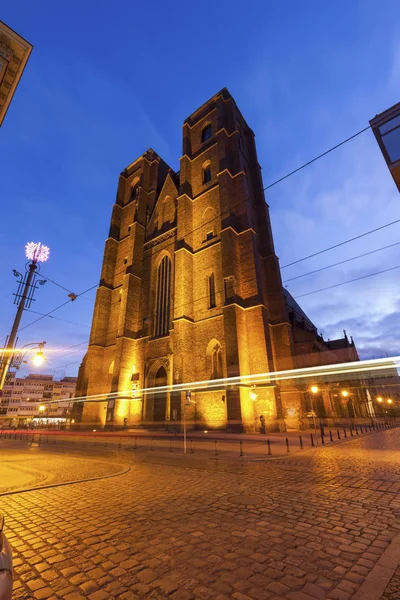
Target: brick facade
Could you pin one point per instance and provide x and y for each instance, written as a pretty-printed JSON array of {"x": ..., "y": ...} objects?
[{"x": 211, "y": 221}]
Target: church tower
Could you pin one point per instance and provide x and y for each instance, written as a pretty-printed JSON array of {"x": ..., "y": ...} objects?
[{"x": 190, "y": 288}]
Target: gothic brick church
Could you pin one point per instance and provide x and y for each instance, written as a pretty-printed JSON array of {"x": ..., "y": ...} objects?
[{"x": 191, "y": 290}]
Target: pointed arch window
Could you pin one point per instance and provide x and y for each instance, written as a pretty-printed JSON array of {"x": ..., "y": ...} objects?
[
  {"x": 206, "y": 172},
  {"x": 163, "y": 298},
  {"x": 216, "y": 372},
  {"x": 134, "y": 188},
  {"x": 206, "y": 133},
  {"x": 211, "y": 291}
]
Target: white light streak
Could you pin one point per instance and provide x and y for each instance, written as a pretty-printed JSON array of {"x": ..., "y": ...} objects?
[{"x": 347, "y": 369}]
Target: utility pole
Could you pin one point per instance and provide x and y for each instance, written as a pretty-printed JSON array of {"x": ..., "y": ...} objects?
[{"x": 37, "y": 253}]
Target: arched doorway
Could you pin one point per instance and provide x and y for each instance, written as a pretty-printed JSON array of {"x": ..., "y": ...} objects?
[{"x": 160, "y": 400}]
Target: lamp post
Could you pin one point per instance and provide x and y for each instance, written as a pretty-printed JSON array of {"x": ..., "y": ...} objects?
[
  {"x": 42, "y": 410},
  {"x": 380, "y": 400},
  {"x": 36, "y": 253},
  {"x": 314, "y": 390}
]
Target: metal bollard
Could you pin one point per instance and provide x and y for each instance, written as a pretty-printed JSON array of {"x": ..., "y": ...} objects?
[
  {"x": 170, "y": 445},
  {"x": 191, "y": 446},
  {"x": 215, "y": 447},
  {"x": 135, "y": 446},
  {"x": 330, "y": 435},
  {"x": 301, "y": 442},
  {"x": 151, "y": 445},
  {"x": 338, "y": 434},
  {"x": 322, "y": 438},
  {"x": 241, "y": 448},
  {"x": 357, "y": 430},
  {"x": 119, "y": 443},
  {"x": 287, "y": 445},
  {"x": 269, "y": 447},
  {"x": 312, "y": 439}
]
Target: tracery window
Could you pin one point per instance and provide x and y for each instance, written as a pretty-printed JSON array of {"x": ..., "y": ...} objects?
[{"x": 163, "y": 298}]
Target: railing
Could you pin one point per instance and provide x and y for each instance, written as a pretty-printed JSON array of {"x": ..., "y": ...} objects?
[{"x": 214, "y": 444}]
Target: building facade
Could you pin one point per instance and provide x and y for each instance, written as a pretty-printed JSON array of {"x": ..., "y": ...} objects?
[
  {"x": 386, "y": 128},
  {"x": 36, "y": 400},
  {"x": 14, "y": 54},
  {"x": 191, "y": 291}
]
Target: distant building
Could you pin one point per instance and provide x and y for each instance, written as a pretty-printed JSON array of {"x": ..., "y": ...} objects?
[
  {"x": 386, "y": 128},
  {"x": 22, "y": 398},
  {"x": 14, "y": 54},
  {"x": 191, "y": 290}
]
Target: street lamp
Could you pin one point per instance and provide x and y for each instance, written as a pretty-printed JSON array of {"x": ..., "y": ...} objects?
[
  {"x": 37, "y": 253},
  {"x": 314, "y": 390},
  {"x": 17, "y": 357}
]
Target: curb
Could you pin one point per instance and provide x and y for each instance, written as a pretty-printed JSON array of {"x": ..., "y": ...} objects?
[
  {"x": 62, "y": 483},
  {"x": 380, "y": 576}
]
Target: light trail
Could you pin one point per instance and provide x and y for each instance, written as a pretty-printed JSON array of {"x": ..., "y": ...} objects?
[{"x": 336, "y": 369}]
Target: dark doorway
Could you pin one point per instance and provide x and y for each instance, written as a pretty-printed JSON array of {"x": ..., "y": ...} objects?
[{"x": 160, "y": 400}]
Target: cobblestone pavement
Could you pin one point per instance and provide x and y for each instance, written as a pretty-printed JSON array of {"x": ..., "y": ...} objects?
[
  {"x": 392, "y": 591},
  {"x": 304, "y": 527},
  {"x": 22, "y": 466}
]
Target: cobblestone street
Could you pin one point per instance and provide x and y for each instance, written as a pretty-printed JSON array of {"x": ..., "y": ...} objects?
[{"x": 308, "y": 526}]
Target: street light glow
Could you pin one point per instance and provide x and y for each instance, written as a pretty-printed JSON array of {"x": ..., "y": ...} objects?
[
  {"x": 314, "y": 389},
  {"x": 42, "y": 408},
  {"x": 38, "y": 359},
  {"x": 37, "y": 252},
  {"x": 390, "y": 401},
  {"x": 345, "y": 393},
  {"x": 379, "y": 399}
]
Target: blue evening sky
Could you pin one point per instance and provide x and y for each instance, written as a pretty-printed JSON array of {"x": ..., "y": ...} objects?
[{"x": 107, "y": 80}]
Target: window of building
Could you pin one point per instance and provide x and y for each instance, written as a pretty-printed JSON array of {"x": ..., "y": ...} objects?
[
  {"x": 211, "y": 291},
  {"x": 163, "y": 298},
  {"x": 206, "y": 133},
  {"x": 229, "y": 287},
  {"x": 206, "y": 172},
  {"x": 125, "y": 261},
  {"x": 217, "y": 363},
  {"x": 134, "y": 188},
  {"x": 390, "y": 133},
  {"x": 209, "y": 235}
]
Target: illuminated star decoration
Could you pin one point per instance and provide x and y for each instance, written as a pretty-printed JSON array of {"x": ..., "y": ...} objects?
[{"x": 36, "y": 252}]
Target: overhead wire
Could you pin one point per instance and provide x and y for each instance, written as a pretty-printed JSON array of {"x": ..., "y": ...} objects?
[
  {"x": 357, "y": 237},
  {"x": 330, "y": 287},
  {"x": 228, "y": 212},
  {"x": 342, "y": 262}
]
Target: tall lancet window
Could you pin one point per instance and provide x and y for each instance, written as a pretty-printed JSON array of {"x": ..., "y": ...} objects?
[{"x": 163, "y": 298}]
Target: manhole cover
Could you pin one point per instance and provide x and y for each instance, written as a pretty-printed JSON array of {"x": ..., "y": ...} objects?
[{"x": 242, "y": 499}]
